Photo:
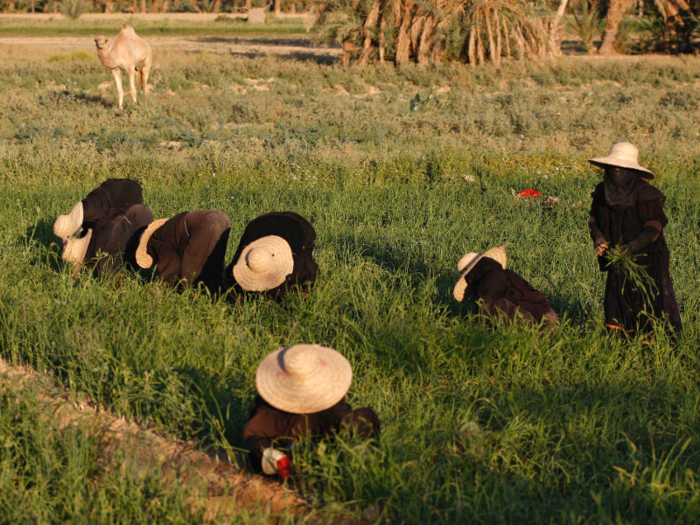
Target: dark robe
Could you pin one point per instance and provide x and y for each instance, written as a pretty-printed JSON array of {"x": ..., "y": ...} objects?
[
  {"x": 301, "y": 237},
  {"x": 500, "y": 292},
  {"x": 269, "y": 427},
  {"x": 639, "y": 227},
  {"x": 191, "y": 247},
  {"x": 117, "y": 194},
  {"x": 117, "y": 235}
]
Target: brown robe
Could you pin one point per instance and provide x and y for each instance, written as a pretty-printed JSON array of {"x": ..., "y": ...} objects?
[
  {"x": 502, "y": 292},
  {"x": 191, "y": 248},
  {"x": 269, "y": 427},
  {"x": 301, "y": 237}
]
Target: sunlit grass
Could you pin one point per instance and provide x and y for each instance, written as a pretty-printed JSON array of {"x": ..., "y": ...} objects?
[{"x": 478, "y": 425}]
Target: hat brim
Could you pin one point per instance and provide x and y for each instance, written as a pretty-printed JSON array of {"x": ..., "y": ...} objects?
[
  {"x": 74, "y": 251},
  {"x": 602, "y": 162},
  {"x": 460, "y": 287},
  {"x": 282, "y": 265},
  {"x": 144, "y": 260},
  {"x": 327, "y": 389}
]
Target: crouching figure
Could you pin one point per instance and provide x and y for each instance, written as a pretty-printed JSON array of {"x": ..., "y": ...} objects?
[
  {"x": 103, "y": 229},
  {"x": 189, "y": 248},
  {"x": 301, "y": 394},
  {"x": 500, "y": 292}
]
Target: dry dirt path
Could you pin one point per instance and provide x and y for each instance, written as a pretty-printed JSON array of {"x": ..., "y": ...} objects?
[
  {"x": 217, "y": 485},
  {"x": 213, "y": 44}
]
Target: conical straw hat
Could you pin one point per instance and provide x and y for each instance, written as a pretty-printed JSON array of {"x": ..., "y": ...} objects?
[
  {"x": 623, "y": 155},
  {"x": 264, "y": 264},
  {"x": 142, "y": 258},
  {"x": 74, "y": 251},
  {"x": 303, "y": 379},
  {"x": 468, "y": 262},
  {"x": 68, "y": 225}
]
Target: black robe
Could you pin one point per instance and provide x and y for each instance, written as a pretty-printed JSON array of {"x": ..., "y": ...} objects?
[
  {"x": 500, "y": 292},
  {"x": 117, "y": 194},
  {"x": 191, "y": 248},
  {"x": 117, "y": 235},
  {"x": 301, "y": 237},
  {"x": 640, "y": 228},
  {"x": 268, "y": 426}
]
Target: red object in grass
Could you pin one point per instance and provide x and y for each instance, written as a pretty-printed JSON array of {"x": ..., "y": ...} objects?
[
  {"x": 284, "y": 467},
  {"x": 530, "y": 194}
]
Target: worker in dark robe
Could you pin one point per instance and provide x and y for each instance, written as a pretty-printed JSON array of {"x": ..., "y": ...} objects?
[
  {"x": 115, "y": 238},
  {"x": 499, "y": 292},
  {"x": 113, "y": 198},
  {"x": 301, "y": 395},
  {"x": 627, "y": 213},
  {"x": 189, "y": 248},
  {"x": 275, "y": 254}
]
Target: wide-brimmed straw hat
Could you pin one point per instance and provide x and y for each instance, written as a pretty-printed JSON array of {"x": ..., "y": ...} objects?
[
  {"x": 264, "y": 264},
  {"x": 623, "y": 155},
  {"x": 142, "y": 258},
  {"x": 303, "y": 379},
  {"x": 468, "y": 262},
  {"x": 74, "y": 250},
  {"x": 66, "y": 226}
]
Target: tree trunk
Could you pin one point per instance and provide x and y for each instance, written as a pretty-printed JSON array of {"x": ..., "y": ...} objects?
[
  {"x": 194, "y": 5},
  {"x": 615, "y": 13},
  {"x": 554, "y": 47},
  {"x": 293, "y": 8},
  {"x": 248, "y": 4},
  {"x": 155, "y": 6},
  {"x": 382, "y": 40},
  {"x": 403, "y": 42},
  {"x": 371, "y": 21},
  {"x": 109, "y": 6},
  {"x": 217, "y": 6},
  {"x": 348, "y": 48},
  {"x": 278, "y": 7},
  {"x": 143, "y": 6}
]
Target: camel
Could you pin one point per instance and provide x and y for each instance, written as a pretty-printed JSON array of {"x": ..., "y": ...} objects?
[{"x": 129, "y": 52}]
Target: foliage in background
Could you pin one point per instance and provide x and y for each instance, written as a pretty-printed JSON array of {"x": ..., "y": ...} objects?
[
  {"x": 587, "y": 23},
  {"x": 428, "y": 32}
]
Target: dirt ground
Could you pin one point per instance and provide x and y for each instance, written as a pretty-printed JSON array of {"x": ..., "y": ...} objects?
[
  {"x": 217, "y": 485},
  {"x": 211, "y": 44}
]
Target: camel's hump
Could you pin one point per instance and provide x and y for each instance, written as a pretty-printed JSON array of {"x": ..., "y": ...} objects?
[{"x": 126, "y": 28}]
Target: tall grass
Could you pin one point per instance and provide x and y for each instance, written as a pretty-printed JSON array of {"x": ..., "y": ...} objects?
[{"x": 479, "y": 425}]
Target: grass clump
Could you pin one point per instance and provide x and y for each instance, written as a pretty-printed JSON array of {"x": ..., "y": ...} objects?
[
  {"x": 71, "y": 57},
  {"x": 74, "y": 9}
]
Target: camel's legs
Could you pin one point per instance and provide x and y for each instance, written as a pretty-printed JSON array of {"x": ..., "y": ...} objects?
[
  {"x": 132, "y": 83},
  {"x": 118, "y": 77},
  {"x": 145, "y": 70}
]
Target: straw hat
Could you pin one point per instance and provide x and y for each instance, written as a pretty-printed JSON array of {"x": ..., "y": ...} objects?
[
  {"x": 623, "y": 155},
  {"x": 142, "y": 258},
  {"x": 303, "y": 379},
  {"x": 468, "y": 262},
  {"x": 67, "y": 225},
  {"x": 74, "y": 250},
  {"x": 264, "y": 264}
]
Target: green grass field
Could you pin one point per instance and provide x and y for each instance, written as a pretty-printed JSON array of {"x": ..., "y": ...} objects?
[
  {"x": 401, "y": 176},
  {"x": 225, "y": 26}
]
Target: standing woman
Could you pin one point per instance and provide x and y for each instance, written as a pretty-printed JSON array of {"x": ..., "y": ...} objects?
[
  {"x": 275, "y": 254},
  {"x": 627, "y": 213},
  {"x": 190, "y": 248}
]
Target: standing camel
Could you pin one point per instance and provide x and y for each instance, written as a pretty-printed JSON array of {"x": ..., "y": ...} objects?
[{"x": 129, "y": 52}]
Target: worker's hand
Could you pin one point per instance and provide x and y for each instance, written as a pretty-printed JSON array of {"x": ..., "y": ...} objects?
[
  {"x": 275, "y": 462},
  {"x": 600, "y": 249}
]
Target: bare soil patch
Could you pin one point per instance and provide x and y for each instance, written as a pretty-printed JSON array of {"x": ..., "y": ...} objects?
[
  {"x": 217, "y": 485},
  {"x": 220, "y": 45}
]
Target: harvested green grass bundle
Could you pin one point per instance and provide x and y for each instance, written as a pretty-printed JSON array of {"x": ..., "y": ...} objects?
[{"x": 625, "y": 262}]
